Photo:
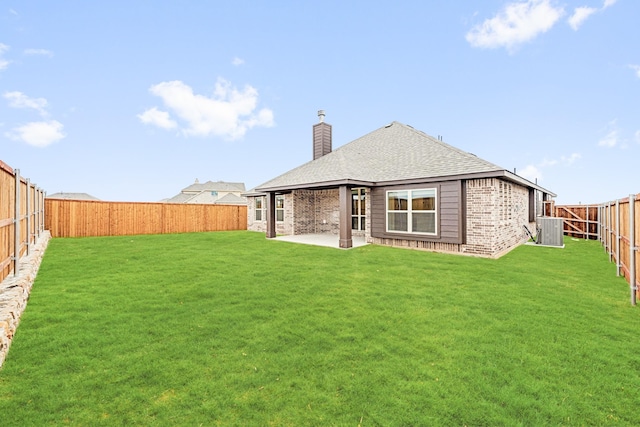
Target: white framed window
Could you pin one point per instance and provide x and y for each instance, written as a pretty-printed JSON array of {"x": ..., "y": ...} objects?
[
  {"x": 412, "y": 211},
  {"x": 259, "y": 208},
  {"x": 279, "y": 208},
  {"x": 358, "y": 214}
]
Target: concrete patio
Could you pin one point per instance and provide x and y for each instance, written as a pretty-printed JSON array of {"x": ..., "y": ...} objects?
[{"x": 326, "y": 239}]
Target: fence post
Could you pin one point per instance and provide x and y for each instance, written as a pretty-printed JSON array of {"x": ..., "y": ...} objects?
[
  {"x": 28, "y": 216},
  {"x": 36, "y": 212},
  {"x": 43, "y": 195},
  {"x": 601, "y": 224},
  {"x": 632, "y": 249},
  {"x": 600, "y": 219},
  {"x": 609, "y": 230},
  {"x": 586, "y": 225},
  {"x": 611, "y": 225},
  {"x": 606, "y": 227},
  {"x": 605, "y": 222},
  {"x": 16, "y": 224},
  {"x": 618, "y": 260}
]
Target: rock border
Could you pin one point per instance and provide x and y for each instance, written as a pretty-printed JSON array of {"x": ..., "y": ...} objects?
[{"x": 15, "y": 291}]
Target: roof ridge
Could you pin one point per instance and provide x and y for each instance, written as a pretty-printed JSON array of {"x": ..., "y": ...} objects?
[{"x": 395, "y": 151}]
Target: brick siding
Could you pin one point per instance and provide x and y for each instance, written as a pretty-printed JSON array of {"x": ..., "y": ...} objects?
[
  {"x": 316, "y": 212},
  {"x": 497, "y": 210},
  {"x": 282, "y": 227}
]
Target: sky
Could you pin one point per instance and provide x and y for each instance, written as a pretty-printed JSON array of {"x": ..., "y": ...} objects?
[{"x": 133, "y": 101}]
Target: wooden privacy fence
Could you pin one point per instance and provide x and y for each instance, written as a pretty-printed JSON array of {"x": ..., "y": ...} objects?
[
  {"x": 616, "y": 224},
  {"x": 620, "y": 236},
  {"x": 578, "y": 220},
  {"x": 84, "y": 218},
  {"x": 21, "y": 218}
]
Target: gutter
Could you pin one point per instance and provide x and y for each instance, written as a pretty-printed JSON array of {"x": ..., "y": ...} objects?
[{"x": 502, "y": 173}]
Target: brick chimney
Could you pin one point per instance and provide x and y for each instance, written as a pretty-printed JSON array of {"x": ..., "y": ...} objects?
[{"x": 321, "y": 137}]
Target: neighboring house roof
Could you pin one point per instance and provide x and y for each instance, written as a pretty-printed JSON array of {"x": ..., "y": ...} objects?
[
  {"x": 231, "y": 199},
  {"x": 210, "y": 193},
  {"x": 396, "y": 152},
  {"x": 214, "y": 186},
  {"x": 179, "y": 198},
  {"x": 71, "y": 196}
]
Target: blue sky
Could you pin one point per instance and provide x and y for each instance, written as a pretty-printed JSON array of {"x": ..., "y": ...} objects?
[{"x": 133, "y": 101}]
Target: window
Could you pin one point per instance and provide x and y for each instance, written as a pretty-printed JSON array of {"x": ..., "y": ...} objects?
[
  {"x": 279, "y": 208},
  {"x": 259, "y": 207},
  {"x": 412, "y": 211},
  {"x": 358, "y": 217}
]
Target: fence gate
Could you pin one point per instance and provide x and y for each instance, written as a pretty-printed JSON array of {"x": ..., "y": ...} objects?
[{"x": 579, "y": 220}]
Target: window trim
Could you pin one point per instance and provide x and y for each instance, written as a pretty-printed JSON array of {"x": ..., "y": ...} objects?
[
  {"x": 362, "y": 200},
  {"x": 279, "y": 197},
  {"x": 409, "y": 211},
  {"x": 260, "y": 209}
]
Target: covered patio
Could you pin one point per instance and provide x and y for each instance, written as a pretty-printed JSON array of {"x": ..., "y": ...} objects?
[{"x": 324, "y": 239}]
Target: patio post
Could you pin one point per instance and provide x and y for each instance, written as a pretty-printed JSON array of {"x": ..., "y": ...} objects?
[
  {"x": 345, "y": 217},
  {"x": 271, "y": 215}
]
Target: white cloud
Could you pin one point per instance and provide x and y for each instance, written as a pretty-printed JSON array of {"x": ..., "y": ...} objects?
[
  {"x": 229, "y": 112},
  {"x": 43, "y": 52},
  {"x": 237, "y": 61},
  {"x": 610, "y": 140},
  {"x": 158, "y": 118},
  {"x": 546, "y": 163},
  {"x": 38, "y": 134},
  {"x": 517, "y": 23},
  {"x": 635, "y": 68},
  {"x": 571, "y": 159},
  {"x": 580, "y": 14},
  {"x": 638, "y": 136},
  {"x": 20, "y": 100},
  {"x": 3, "y": 62},
  {"x": 531, "y": 173},
  {"x": 612, "y": 137}
]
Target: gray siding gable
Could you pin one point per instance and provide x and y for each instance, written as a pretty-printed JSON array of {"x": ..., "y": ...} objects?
[{"x": 449, "y": 209}]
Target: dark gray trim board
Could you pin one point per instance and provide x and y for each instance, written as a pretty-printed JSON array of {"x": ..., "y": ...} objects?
[{"x": 357, "y": 183}]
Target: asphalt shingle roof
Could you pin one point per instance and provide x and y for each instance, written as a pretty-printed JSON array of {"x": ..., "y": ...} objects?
[
  {"x": 392, "y": 153},
  {"x": 231, "y": 199},
  {"x": 179, "y": 198},
  {"x": 215, "y": 186},
  {"x": 71, "y": 196}
]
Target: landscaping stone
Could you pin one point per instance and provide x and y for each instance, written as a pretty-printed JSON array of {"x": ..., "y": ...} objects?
[{"x": 15, "y": 291}]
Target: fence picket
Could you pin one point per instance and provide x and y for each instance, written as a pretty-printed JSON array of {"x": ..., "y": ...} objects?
[
  {"x": 18, "y": 228},
  {"x": 84, "y": 218},
  {"x": 616, "y": 225}
]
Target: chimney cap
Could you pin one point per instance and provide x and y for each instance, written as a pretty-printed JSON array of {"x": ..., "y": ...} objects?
[{"x": 321, "y": 115}]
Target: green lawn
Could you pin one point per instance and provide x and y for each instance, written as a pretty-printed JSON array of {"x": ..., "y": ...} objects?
[{"x": 229, "y": 328}]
